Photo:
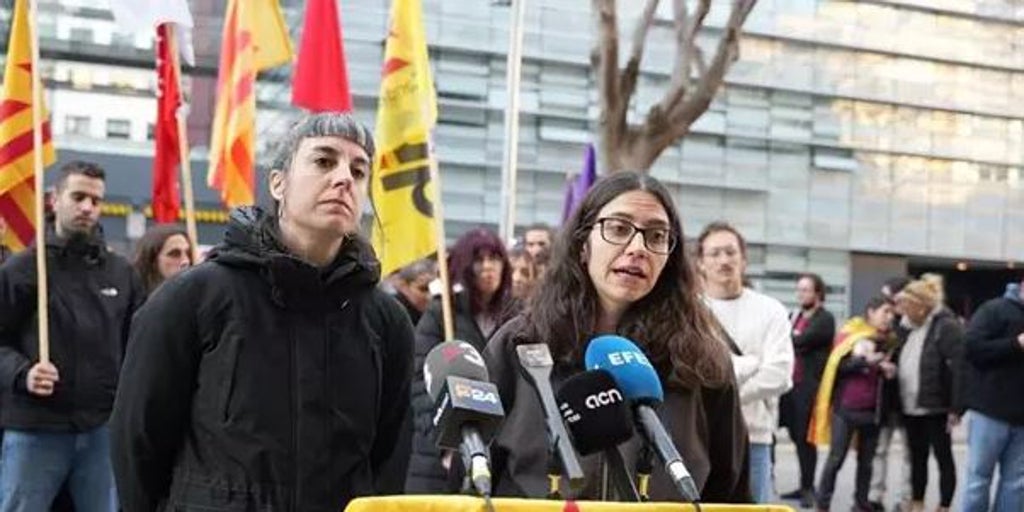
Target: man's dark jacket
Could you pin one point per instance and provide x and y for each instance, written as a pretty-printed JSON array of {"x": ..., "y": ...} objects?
[
  {"x": 811, "y": 347},
  {"x": 257, "y": 382},
  {"x": 995, "y": 360},
  {"x": 92, "y": 295}
]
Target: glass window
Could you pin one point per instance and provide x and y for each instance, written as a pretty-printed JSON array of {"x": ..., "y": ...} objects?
[
  {"x": 119, "y": 129},
  {"x": 76, "y": 125}
]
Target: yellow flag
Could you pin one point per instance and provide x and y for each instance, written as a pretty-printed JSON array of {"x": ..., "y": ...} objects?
[
  {"x": 273, "y": 44},
  {"x": 403, "y": 193}
]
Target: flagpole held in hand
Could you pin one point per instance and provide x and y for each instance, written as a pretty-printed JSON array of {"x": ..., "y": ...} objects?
[
  {"x": 183, "y": 148},
  {"x": 42, "y": 293}
]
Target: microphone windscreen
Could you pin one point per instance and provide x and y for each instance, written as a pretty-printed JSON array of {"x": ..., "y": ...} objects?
[
  {"x": 452, "y": 359},
  {"x": 632, "y": 371},
  {"x": 595, "y": 411}
]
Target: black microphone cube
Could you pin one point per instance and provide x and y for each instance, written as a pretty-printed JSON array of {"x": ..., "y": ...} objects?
[{"x": 466, "y": 402}]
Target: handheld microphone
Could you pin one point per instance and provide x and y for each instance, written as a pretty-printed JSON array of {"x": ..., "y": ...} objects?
[
  {"x": 639, "y": 382},
  {"x": 469, "y": 409},
  {"x": 595, "y": 411},
  {"x": 536, "y": 364}
]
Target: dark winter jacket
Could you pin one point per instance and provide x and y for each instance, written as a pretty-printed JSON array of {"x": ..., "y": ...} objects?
[
  {"x": 426, "y": 475},
  {"x": 941, "y": 363},
  {"x": 811, "y": 348},
  {"x": 92, "y": 295},
  {"x": 813, "y": 344},
  {"x": 994, "y": 369},
  {"x": 257, "y": 382},
  {"x": 706, "y": 426}
]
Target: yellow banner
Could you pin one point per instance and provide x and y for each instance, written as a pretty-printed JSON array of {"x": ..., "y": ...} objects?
[
  {"x": 402, "y": 191},
  {"x": 471, "y": 504}
]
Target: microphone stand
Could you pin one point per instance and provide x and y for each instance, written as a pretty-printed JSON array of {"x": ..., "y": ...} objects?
[
  {"x": 554, "y": 471},
  {"x": 614, "y": 469},
  {"x": 644, "y": 467}
]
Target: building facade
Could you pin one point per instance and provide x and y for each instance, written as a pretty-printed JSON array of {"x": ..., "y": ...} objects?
[{"x": 852, "y": 139}]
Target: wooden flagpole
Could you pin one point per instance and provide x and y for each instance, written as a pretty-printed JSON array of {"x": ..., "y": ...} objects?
[
  {"x": 442, "y": 249},
  {"x": 42, "y": 290},
  {"x": 186, "y": 163}
]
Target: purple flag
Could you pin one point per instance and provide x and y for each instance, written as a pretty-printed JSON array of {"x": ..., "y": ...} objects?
[{"x": 576, "y": 189}]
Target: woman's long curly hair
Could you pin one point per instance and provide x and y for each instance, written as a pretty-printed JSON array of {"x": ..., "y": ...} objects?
[{"x": 671, "y": 324}]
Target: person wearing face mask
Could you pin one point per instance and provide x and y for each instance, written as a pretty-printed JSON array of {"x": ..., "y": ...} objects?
[
  {"x": 162, "y": 252},
  {"x": 482, "y": 301},
  {"x": 930, "y": 361},
  {"x": 275, "y": 374},
  {"x": 55, "y": 413},
  {"x": 619, "y": 266},
  {"x": 814, "y": 328},
  {"x": 759, "y": 326}
]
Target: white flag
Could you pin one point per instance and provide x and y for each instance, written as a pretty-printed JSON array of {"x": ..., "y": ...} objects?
[{"x": 133, "y": 16}]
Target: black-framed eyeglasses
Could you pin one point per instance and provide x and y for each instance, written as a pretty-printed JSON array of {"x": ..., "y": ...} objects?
[{"x": 659, "y": 240}]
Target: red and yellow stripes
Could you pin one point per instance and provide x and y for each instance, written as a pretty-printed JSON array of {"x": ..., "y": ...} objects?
[
  {"x": 254, "y": 38},
  {"x": 17, "y": 186}
]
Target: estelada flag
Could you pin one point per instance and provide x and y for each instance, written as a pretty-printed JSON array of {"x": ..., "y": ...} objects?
[
  {"x": 254, "y": 38},
  {"x": 402, "y": 191},
  {"x": 17, "y": 149}
]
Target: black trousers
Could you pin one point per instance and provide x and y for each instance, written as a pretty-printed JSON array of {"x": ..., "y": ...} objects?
[
  {"x": 842, "y": 435},
  {"x": 926, "y": 434},
  {"x": 795, "y": 414}
]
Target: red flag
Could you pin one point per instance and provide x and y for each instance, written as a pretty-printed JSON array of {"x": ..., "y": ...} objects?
[
  {"x": 320, "y": 82},
  {"x": 166, "y": 201}
]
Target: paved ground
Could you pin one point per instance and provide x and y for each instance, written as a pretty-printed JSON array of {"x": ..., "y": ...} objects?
[{"x": 787, "y": 472}]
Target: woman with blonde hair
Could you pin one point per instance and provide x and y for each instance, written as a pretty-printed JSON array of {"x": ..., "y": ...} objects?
[{"x": 928, "y": 360}]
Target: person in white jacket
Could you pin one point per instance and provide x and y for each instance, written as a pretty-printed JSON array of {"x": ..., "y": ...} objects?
[{"x": 759, "y": 326}]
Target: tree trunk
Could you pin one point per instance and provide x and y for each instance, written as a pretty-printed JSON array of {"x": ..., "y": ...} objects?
[{"x": 622, "y": 147}]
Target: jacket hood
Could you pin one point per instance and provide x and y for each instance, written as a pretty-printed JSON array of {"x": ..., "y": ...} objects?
[
  {"x": 253, "y": 241},
  {"x": 91, "y": 247}
]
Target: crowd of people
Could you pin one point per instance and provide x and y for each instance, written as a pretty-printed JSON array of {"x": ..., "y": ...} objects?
[{"x": 283, "y": 372}]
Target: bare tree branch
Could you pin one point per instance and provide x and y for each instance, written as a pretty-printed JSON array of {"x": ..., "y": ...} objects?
[
  {"x": 637, "y": 147},
  {"x": 692, "y": 48},
  {"x": 686, "y": 50},
  {"x": 683, "y": 114},
  {"x": 627, "y": 82},
  {"x": 606, "y": 50}
]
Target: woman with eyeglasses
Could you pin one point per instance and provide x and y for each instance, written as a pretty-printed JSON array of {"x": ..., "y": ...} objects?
[
  {"x": 162, "y": 252},
  {"x": 619, "y": 267},
  {"x": 481, "y": 276}
]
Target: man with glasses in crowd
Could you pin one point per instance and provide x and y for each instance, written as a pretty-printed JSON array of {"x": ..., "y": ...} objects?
[{"x": 759, "y": 326}]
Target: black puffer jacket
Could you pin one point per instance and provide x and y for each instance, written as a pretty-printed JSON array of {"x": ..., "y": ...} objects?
[
  {"x": 258, "y": 382},
  {"x": 941, "y": 367},
  {"x": 92, "y": 295}
]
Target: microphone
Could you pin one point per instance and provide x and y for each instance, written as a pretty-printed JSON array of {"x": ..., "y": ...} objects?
[
  {"x": 595, "y": 411},
  {"x": 536, "y": 364},
  {"x": 639, "y": 382},
  {"x": 469, "y": 409}
]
